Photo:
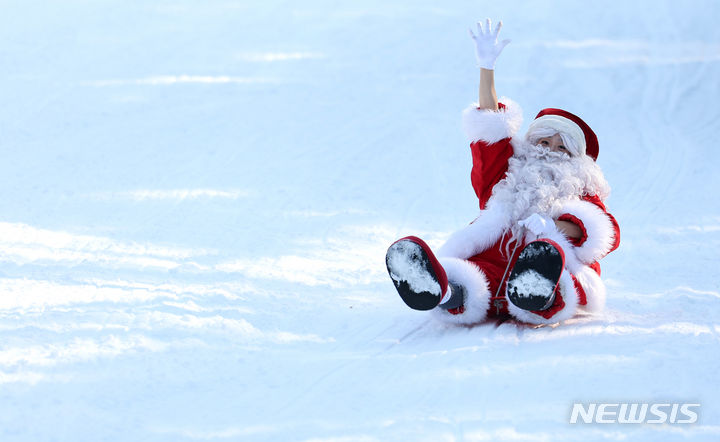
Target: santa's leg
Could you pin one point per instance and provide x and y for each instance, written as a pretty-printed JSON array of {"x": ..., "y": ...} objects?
[
  {"x": 456, "y": 290},
  {"x": 466, "y": 277}
]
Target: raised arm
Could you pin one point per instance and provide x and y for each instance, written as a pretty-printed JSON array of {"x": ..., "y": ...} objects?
[
  {"x": 487, "y": 50},
  {"x": 487, "y": 97}
]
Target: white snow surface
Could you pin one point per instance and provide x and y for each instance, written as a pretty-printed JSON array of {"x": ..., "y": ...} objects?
[
  {"x": 197, "y": 197},
  {"x": 404, "y": 263}
]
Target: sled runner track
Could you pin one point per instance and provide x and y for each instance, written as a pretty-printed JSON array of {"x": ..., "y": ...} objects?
[{"x": 402, "y": 339}]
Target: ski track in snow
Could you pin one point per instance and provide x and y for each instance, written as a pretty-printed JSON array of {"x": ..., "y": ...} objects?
[{"x": 198, "y": 198}]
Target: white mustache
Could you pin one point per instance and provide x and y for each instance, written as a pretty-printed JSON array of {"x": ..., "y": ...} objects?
[{"x": 545, "y": 153}]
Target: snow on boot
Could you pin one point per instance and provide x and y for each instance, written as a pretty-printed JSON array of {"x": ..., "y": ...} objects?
[
  {"x": 535, "y": 276},
  {"x": 418, "y": 276}
]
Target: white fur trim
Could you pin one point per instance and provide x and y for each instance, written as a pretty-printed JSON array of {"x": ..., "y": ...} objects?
[
  {"x": 492, "y": 126},
  {"x": 594, "y": 289},
  {"x": 477, "y": 300},
  {"x": 569, "y": 295},
  {"x": 561, "y": 124},
  {"x": 478, "y": 236},
  {"x": 599, "y": 228}
]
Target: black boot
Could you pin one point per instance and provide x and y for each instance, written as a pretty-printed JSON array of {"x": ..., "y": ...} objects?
[
  {"x": 535, "y": 276},
  {"x": 417, "y": 275}
]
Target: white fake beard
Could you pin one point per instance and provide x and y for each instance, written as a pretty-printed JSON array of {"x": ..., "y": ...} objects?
[{"x": 542, "y": 181}]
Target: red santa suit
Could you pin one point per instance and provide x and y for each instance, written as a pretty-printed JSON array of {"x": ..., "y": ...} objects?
[{"x": 479, "y": 256}]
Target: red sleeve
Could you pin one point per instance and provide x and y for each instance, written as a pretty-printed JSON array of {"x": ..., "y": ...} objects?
[
  {"x": 577, "y": 242},
  {"x": 616, "y": 227},
  {"x": 490, "y": 163}
]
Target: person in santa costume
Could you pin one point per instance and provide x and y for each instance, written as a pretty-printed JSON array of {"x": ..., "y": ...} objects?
[{"x": 533, "y": 250}]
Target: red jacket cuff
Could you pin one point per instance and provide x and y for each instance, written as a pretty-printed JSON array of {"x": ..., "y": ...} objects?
[{"x": 577, "y": 242}]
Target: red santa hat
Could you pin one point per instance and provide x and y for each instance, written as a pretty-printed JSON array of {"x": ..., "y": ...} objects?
[{"x": 570, "y": 124}]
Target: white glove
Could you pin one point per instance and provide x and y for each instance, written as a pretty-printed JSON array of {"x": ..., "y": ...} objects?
[
  {"x": 538, "y": 224},
  {"x": 487, "y": 48}
]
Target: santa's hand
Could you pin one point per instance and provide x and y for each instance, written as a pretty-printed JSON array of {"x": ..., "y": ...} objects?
[
  {"x": 487, "y": 48},
  {"x": 538, "y": 224}
]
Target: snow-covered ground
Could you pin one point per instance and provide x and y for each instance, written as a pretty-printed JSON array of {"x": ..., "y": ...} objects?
[{"x": 196, "y": 199}]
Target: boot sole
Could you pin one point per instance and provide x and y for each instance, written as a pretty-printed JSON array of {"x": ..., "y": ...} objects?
[
  {"x": 535, "y": 276},
  {"x": 418, "y": 277}
]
